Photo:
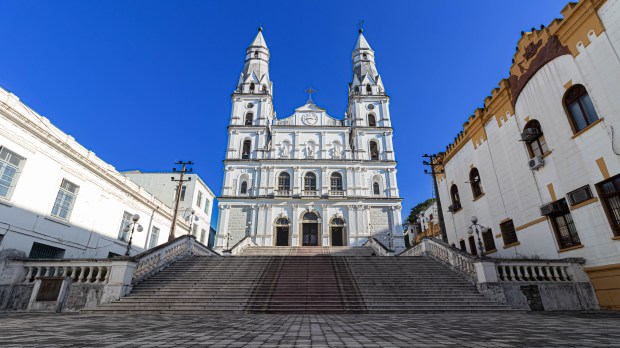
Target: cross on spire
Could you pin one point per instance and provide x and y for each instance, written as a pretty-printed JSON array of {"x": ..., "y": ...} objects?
[
  {"x": 310, "y": 91},
  {"x": 360, "y": 26}
]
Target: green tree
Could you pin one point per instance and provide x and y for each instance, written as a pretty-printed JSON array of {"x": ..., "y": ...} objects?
[{"x": 415, "y": 211}]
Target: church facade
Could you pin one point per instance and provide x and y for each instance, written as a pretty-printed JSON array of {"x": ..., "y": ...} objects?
[{"x": 309, "y": 179}]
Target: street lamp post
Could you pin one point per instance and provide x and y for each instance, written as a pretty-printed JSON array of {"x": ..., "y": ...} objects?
[
  {"x": 228, "y": 239},
  {"x": 474, "y": 227},
  {"x": 132, "y": 225},
  {"x": 192, "y": 218}
]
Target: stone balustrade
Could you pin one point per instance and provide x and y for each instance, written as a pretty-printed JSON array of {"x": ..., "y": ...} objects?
[
  {"x": 531, "y": 284},
  {"x": 86, "y": 282},
  {"x": 378, "y": 247},
  {"x": 240, "y": 246}
]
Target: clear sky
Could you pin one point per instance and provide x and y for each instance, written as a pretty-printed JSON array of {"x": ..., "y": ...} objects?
[{"x": 146, "y": 83}]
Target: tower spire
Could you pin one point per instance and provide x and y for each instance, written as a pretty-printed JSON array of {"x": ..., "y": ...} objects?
[{"x": 255, "y": 75}]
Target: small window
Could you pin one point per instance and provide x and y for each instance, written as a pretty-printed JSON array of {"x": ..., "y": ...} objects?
[
  {"x": 579, "y": 107},
  {"x": 371, "y": 120},
  {"x": 462, "y": 245},
  {"x": 488, "y": 240},
  {"x": 183, "y": 190},
  {"x": 44, "y": 251},
  {"x": 564, "y": 226},
  {"x": 252, "y": 86},
  {"x": 207, "y": 206},
  {"x": 375, "y": 188},
  {"x": 368, "y": 89},
  {"x": 247, "y": 146},
  {"x": 256, "y": 54},
  {"x": 125, "y": 221},
  {"x": 282, "y": 222},
  {"x": 534, "y": 139},
  {"x": 284, "y": 182},
  {"x": 356, "y": 89},
  {"x": 310, "y": 182},
  {"x": 10, "y": 165},
  {"x": 244, "y": 188},
  {"x": 374, "y": 151},
  {"x": 509, "y": 234},
  {"x": 456, "y": 199},
  {"x": 474, "y": 181},
  {"x": 365, "y": 56},
  {"x": 609, "y": 192},
  {"x": 154, "y": 237},
  {"x": 65, "y": 199},
  {"x": 336, "y": 182},
  {"x": 199, "y": 199},
  {"x": 249, "y": 118}
]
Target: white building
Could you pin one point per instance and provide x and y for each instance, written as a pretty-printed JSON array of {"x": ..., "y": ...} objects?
[
  {"x": 57, "y": 199},
  {"x": 195, "y": 196},
  {"x": 310, "y": 179},
  {"x": 540, "y": 163}
]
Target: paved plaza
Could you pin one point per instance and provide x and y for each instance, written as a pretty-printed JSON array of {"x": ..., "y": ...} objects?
[{"x": 419, "y": 330}]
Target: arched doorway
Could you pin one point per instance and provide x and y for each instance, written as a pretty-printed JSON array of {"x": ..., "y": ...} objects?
[
  {"x": 282, "y": 232},
  {"x": 310, "y": 229},
  {"x": 337, "y": 232}
]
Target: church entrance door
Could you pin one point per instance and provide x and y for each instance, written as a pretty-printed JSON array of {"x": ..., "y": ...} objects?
[
  {"x": 337, "y": 239},
  {"x": 281, "y": 236},
  {"x": 310, "y": 234}
]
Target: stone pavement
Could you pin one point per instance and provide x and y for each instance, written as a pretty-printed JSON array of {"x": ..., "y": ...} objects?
[{"x": 263, "y": 330}]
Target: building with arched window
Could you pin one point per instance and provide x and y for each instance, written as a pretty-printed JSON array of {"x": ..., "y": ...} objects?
[
  {"x": 310, "y": 178},
  {"x": 543, "y": 155}
]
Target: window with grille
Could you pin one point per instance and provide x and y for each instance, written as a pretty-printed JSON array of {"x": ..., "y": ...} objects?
[
  {"x": 579, "y": 195},
  {"x": 488, "y": 241},
  {"x": 336, "y": 182},
  {"x": 154, "y": 237},
  {"x": 10, "y": 166},
  {"x": 203, "y": 235},
  {"x": 199, "y": 199},
  {"x": 534, "y": 139},
  {"x": 44, "y": 251},
  {"x": 579, "y": 107},
  {"x": 564, "y": 227},
  {"x": 65, "y": 199},
  {"x": 126, "y": 221},
  {"x": 284, "y": 182},
  {"x": 509, "y": 234},
  {"x": 609, "y": 192},
  {"x": 310, "y": 182}
]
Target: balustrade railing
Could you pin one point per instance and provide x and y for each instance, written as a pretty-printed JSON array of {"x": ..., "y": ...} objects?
[
  {"x": 80, "y": 271},
  {"x": 337, "y": 193},
  {"x": 378, "y": 247},
  {"x": 310, "y": 193},
  {"x": 241, "y": 245}
]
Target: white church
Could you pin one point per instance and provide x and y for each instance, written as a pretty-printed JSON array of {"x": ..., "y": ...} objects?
[{"x": 310, "y": 179}]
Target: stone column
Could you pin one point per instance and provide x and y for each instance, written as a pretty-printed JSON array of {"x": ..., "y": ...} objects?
[
  {"x": 295, "y": 226},
  {"x": 352, "y": 226},
  {"x": 324, "y": 187},
  {"x": 325, "y": 233},
  {"x": 323, "y": 147},
  {"x": 387, "y": 143},
  {"x": 296, "y": 181}
]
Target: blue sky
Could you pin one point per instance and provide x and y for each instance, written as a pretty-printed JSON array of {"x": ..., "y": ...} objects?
[{"x": 146, "y": 83}]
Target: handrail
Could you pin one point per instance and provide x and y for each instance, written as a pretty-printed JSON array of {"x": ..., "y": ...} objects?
[
  {"x": 381, "y": 249},
  {"x": 241, "y": 245}
]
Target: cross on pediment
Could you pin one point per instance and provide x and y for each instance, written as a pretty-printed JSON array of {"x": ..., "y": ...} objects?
[{"x": 310, "y": 91}]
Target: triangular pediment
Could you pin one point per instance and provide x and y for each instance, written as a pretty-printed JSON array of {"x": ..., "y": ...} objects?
[{"x": 310, "y": 114}]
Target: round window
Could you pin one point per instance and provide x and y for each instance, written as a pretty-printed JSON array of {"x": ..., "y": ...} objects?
[
  {"x": 250, "y": 105},
  {"x": 370, "y": 106}
]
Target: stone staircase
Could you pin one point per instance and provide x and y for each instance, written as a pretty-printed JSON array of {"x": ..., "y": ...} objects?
[{"x": 287, "y": 283}]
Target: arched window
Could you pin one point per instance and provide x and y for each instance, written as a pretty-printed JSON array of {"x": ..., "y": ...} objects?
[
  {"x": 252, "y": 87},
  {"x": 284, "y": 182},
  {"x": 247, "y": 148},
  {"x": 244, "y": 188},
  {"x": 310, "y": 217},
  {"x": 336, "y": 182},
  {"x": 256, "y": 54},
  {"x": 310, "y": 182},
  {"x": 282, "y": 222},
  {"x": 374, "y": 151},
  {"x": 365, "y": 56},
  {"x": 474, "y": 181},
  {"x": 356, "y": 89},
  {"x": 375, "y": 188},
  {"x": 249, "y": 117},
  {"x": 368, "y": 89},
  {"x": 579, "y": 107},
  {"x": 337, "y": 222},
  {"x": 372, "y": 122},
  {"x": 264, "y": 89},
  {"x": 534, "y": 139},
  {"x": 456, "y": 200}
]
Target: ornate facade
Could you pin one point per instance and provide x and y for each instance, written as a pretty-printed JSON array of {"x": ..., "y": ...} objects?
[{"x": 309, "y": 179}]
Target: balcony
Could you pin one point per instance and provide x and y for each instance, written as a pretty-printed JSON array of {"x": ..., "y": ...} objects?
[
  {"x": 283, "y": 193},
  {"x": 337, "y": 193},
  {"x": 310, "y": 193}
]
